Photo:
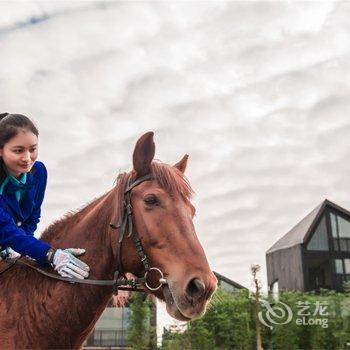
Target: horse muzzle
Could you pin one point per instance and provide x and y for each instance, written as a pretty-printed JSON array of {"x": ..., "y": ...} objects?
[{"x": 190, "y": 304}]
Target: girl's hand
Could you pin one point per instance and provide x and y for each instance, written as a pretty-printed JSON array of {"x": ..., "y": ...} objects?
[{"x": 67, "y": 265}]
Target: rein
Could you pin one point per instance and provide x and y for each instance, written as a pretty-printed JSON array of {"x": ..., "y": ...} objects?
[{"x": 120, "y": 282}]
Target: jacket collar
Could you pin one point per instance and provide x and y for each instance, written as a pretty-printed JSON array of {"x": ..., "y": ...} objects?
[{"x": 22, "y": 211}]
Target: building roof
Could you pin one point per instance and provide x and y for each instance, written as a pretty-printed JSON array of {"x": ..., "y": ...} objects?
[
  {"x": 301, "y": 231},
  {"x": 227, "y": 280}
]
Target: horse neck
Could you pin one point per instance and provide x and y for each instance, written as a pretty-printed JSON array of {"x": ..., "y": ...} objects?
[
  {"x": 90, "y": 229},
  {"x": 87, "y": 229}
]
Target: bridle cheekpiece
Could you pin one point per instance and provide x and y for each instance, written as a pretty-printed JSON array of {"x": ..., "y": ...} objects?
[{"x": 127, "y": 223}]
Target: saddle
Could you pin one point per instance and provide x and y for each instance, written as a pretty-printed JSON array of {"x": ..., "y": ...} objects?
[
  {"x": 9, "y": 258},
  {"x": 5, "y": 264}
]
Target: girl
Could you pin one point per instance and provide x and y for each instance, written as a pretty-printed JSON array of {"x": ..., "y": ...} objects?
[{"x": 22, "y": 188}]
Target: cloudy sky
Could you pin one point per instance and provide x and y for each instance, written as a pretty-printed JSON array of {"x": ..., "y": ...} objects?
[{"x": 257, "y": 93}]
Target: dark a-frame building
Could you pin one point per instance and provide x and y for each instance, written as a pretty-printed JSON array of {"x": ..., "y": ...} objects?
[{"x": 314, "y": 254}]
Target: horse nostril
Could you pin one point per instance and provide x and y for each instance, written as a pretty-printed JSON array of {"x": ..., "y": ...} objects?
[{"x": 195, "y": 288}]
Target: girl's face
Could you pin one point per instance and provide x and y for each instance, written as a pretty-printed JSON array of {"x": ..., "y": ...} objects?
[{"x": 20, "y": 152}]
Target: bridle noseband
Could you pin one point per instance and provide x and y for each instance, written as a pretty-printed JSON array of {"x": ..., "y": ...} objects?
[{"x": 120, "y": 281}]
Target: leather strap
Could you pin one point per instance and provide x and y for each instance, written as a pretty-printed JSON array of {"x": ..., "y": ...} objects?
[
  {"x": 127, "y": 223},
  {"x": 117, "y": 281}
]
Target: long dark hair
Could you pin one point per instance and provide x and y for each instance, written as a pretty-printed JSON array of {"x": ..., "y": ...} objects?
[{"x": 10, "y": 125}]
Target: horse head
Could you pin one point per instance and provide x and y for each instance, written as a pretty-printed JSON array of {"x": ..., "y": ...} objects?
[{"x": 163, "y": 219}]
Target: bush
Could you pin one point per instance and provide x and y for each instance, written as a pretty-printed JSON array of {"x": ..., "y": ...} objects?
[
  {"x": 229, "y": 323},
  {"x": 139, "y": 331}
]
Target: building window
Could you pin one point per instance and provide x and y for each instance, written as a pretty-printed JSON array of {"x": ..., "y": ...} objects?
[
  {"x": 347, "y": 266},
  {"x": 342, "y": 270},
  {"x": 343, "y": 227},
  {"x": 319, "y": 240},
  {"x": 334, "y": 226},
  {"x": 340, "y": 233},
  {"x": 339, "y": 266},
  {"x": 111, "y": 330},
  {"x": 109, "y": 338}
]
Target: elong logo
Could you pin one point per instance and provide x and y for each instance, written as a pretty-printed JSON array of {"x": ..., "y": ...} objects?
[
  {"x": 280, "y": 313},
  {"x": 275, "y": 315}
]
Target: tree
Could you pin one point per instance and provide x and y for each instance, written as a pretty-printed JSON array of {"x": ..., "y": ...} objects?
[
  {"x": 257, "y": 295},
  {"x": 227, "y": 324},
  {"x": 175, "y": 341},
  {"x": 139, "y": 328}
]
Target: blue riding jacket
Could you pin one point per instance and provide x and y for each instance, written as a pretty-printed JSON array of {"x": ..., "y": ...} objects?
[{"x": 20, "y": 213}]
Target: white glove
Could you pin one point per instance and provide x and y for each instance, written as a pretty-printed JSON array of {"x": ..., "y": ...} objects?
[
  {"x": 4, "y": 253},
  {"x": 67, "y": 265},
  {"x": 13, "y": 253},
  {"x": 8, "y": 252}
]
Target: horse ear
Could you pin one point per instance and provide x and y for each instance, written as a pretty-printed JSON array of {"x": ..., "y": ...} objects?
[
  {"x": 182, "y": 164},
  {"x": 143, "y": 154}
]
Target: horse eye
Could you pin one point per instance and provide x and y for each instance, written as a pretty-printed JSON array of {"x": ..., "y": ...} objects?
[{"x": 151, "y": 200}]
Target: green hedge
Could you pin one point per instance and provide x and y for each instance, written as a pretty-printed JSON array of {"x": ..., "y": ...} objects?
[{"x": 229, "y": 323}]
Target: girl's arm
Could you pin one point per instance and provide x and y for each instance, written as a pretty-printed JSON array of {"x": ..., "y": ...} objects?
[
  {"x": 21, "y": 239},
  {"x": 30, "y": 225},
  {"x": 17, "y": 239}
]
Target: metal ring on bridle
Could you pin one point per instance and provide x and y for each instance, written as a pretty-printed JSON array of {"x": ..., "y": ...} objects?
[{"x": 162, "y": 280}]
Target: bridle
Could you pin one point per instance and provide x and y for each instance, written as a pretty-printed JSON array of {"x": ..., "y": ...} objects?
[
  {"x": 126, "y": 222},
  {"x": 120, "y": 282}
]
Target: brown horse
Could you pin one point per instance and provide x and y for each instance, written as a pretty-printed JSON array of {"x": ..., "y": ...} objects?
[{"x": 37, "y": 312}]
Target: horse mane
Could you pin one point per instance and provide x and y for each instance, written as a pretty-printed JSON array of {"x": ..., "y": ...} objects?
[
  {"x": 168, "y": 177},
  {"x": 172, "y": 180},
  {"x": 68, "y": 218}
]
